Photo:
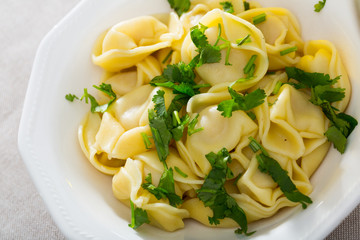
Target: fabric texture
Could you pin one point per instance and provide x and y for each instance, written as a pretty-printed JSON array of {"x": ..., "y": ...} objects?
[{"x": 23, "y": 213}]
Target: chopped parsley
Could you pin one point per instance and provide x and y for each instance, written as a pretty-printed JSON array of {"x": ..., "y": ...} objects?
[
  {"x": 208, "y": 53},
  {"x": 213, "y": 194},
  {"x": 250, "y": 66},
  {"x": 277, "y": 87},
  {"x": 184, "y": 175},
  {"x": 319, "y": 6},
  {"x": 227, "y": 6},
  {"x": 70, "y": 97},
  {"x": 259, "y": 18},
  {"x": 146, "y": 140},
  {"x": 241, "y": 102},
  {"x": 138, "y": 216},
  {"x": 159, "y": 125},
  {"x": 95, "y": 106},
  {"x": 323, "y": 94},
  {"x": 180, "y": 6},
  {"x": 165, "y": 189},
  {"x": 272, "y": 167},
  {"x": 167, "y": 56},
  {"x": 243, "y": 40},
  {"x": 246, "y": 5},
  {"x": 288, "y": 50},
  {"x": 180, "y": 77}
]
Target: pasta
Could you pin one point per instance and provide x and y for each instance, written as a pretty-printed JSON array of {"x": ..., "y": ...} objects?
[{"x": 121, "y": 141}]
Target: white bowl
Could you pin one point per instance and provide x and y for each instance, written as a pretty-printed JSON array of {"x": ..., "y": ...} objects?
[{"x": 80, "y": 198}]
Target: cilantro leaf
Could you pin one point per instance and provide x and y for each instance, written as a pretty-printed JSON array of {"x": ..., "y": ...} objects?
[
  {"x": 207, "y": 53},
  {"x": 158, "y": 121},
  {"x": 146, "y": 140},
  {"x": 180, "y": 172},
  {"x": 180, "y": 77},
  {"x": 138, "y": 216},
  {"x": 280, "y": 176},
  {"x": 319, "y": 6},
  {"x": 213, "y": 194},
  {"x": 326, "y": 93},
  {"x": 159, "y": 101},
  {"x": 180, "y": 6},
  {"x": 227, "y": 6},
  {"x": 198, "y": 36},
  {"x": 95, "y": 106},
  {"x": 309, "y": 79},
  {"x": 165, "y": 189},
  {"x": 246, "y": 5},
  {"x": 70, "y": 97},
  {"x": 335, "y": 136},
  {"x": 179, "y": 125},
  {"x": 192, "y": 124},
  {"x": 323, "y": 94},
  {"x": 241, "y": 102}
]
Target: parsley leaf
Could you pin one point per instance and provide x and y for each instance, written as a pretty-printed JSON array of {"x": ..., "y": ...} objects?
[
  {"x": 184, "y": 175},
  {"x": 243, "y": 40},
  {"x": 323, "y": 94},
  {"x": 146, "y": 140},
  {"x": 191, "y": 126},
  {"x": 70, "y": 97},
  {"x": 180, "y": 77},
  {"x": 319, "y": 6},
  {"x": 161, "y": 134},
  {"x": 166, "y": 188},
  {"x": 138, "y": 216},
  {"x": 95, "y": 107},
  {"x": 272, "y": 167},
  {"x": 308, "y": 79},
  {"x": 180, "y": 6},
  {"x": 227, "y": 6},
  {"x": 208, "y": 53},
  {"x": 213, "y": 194},
  {"x": 246, "y": 5},
  {"x": 241, "y": 102}
]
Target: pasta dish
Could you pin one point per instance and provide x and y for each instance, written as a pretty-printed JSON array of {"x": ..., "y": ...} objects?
[{"x": 217, "y": 111}]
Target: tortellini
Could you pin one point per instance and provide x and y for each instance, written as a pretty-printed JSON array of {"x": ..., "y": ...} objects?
[
  {"x": 281, "y": 31},
  {"x": 119, "y": 142},
  {"x": 233, "y": 28},
  {"x": 129, "y": 42}
]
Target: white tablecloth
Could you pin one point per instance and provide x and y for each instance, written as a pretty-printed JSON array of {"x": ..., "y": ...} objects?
[{"x": 23, "y": 215}]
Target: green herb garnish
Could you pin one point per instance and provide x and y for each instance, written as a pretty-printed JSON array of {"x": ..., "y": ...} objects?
[
  {"x": 184, "y": 175},
  {"x": 259, "y": 18},
  {"x": 146, "y": 140},
  {"x": 243, "y": 40},
  {"x": 167, "y": 56},
  {"x": 246, "y": 5},
  {"x": 213, "y": 194},
  {"x": 319, "y": 6},
  {"x": 272, "y": 167},
  {"x": 241, "y": 102},
  {"x": 70, "y": 97},
  {"x": 323, "y": 94},
  {"x": 95, "y": 107},
  {"x": 227, "y": 6},
  {"x": 208, "y": 53},
  {"x": 250, "y": 66},
  {"x": 277, "y": 87},
  {"x": 180, "y": 6},
  {"x": 166, "y": 188},
  {"x": 138, "y": 216},
  {"x": 288, "y": 50}
]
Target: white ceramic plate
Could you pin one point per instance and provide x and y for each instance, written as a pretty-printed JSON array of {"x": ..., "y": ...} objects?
[{"x": 80, "y": 198}]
